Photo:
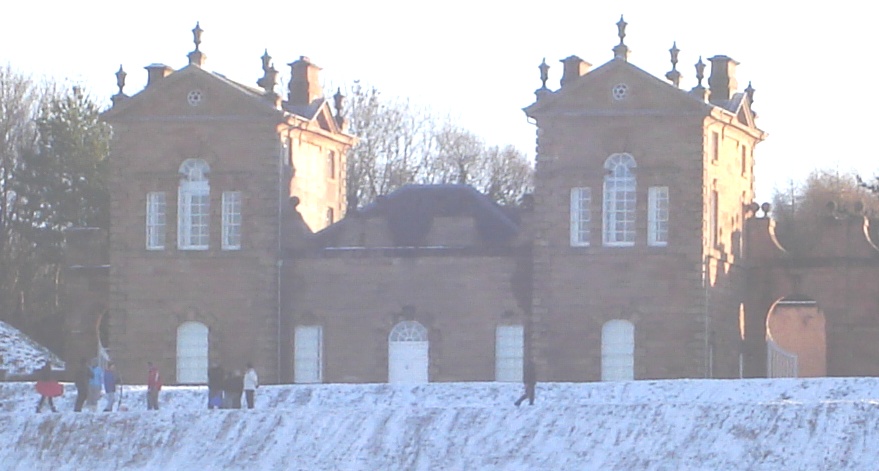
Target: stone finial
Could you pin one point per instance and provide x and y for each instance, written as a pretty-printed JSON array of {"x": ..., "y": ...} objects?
[
  {"x": 120, "y": 79},
  {"x": 197, "y": 57},
  {"x": 673, "y": 75},
  {"x": 120, "y": 82},
  {"x": 544, "y": 73},
  {"x": 699, "y": 90},
  {"x": 339, "y": 104},
  {"x": 621, "y": 51},
  {"x": 266, "y": 60},
  {"x": 269, "y": 78},
  {"x": 338, "y": 101},
  {"x": 196, "y": 35},
  {"x": 700, "y": 71},
  {"x": 750, "y": 92}
]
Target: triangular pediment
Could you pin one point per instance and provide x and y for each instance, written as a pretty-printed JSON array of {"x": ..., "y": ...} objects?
[
  {"x": 193, "y": 93},
  {"x": 617, "y": 87}
]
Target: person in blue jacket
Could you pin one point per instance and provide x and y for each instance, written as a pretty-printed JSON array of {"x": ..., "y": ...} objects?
[
  {"x": 96, "y": 385},
  {"x": 110, "y": 381}
]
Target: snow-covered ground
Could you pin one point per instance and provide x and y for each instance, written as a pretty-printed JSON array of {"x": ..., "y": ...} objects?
[
  {"x": 814, "y": 424},
  {"x": 19, "y": 355}
]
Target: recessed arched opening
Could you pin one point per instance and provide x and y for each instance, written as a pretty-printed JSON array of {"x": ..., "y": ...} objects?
[
  {"x": 408, "y": 353},
  {"x": 796, "y": 339}
]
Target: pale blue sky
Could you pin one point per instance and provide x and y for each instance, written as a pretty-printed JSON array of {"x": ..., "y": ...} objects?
[{"x": 477, "y": 60}]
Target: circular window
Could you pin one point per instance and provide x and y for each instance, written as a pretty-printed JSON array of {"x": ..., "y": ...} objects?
[
  {"x": 194, "y": 97},
  {"x": 620, "y": 91}
]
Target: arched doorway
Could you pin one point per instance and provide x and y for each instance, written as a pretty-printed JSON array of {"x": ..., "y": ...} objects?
[
  {"x": 796, "y": 340},
  {"x": 192, "y": 353},
  {"x": 408, "y": 353}
]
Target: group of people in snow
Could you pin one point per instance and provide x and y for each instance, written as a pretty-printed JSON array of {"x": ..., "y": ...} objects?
[
  {"x": 92, "y": 382},
  {"x": 225, "y": 388}
]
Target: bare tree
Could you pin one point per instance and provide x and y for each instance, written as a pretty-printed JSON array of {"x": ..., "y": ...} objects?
[
  {"x": 401, "y": 143},
  {"x": 825, "y": 193},
  {"x": 393, "y": 147}
]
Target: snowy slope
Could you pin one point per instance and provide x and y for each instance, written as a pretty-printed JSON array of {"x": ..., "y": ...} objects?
[
  {"x": 20, "y": 354},
  {"x": 818, "y": 424}
]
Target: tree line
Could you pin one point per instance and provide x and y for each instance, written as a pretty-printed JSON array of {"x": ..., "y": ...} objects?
[{"x": 53, "y": 158}]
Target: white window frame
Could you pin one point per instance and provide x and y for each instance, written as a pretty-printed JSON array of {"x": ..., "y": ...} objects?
[
  {"x": 308, "y": 364},
  {"x": 713, "y": 217},
  {"x": 620, "y": 186},
  {"x": 618, "y": 350},
  {"x": 509, "y": 353},
  {"x": 657, "y": 216},
  {"x": 156, "y": 220},
  {"x": 581, "y": 216},
  {"x": 193, "y": 206},
  {"x": 231, "y": 239}
]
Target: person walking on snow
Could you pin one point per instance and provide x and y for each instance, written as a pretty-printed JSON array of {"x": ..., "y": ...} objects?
[
  {"x": 110, "y": 380},
  {"x": 216, "y": 375},
  {"x": 154, "y": 385},
  {"x": 233, "y": 387},
  {"x": 96, "y": 385},
  {"x": 529, "y": 377},
  {"x": 47, "y": 387},
  {"x": 251, "y": 382},
  {"x": 81, "y": 379}
]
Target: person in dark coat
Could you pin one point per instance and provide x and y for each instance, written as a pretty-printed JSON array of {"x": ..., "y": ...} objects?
[
  {"x": 233, "y": 388},
  {"x": 81, "y": 379},
  {"x": 216, "y": 375},
  {"x": 529, "y": 377},
  {"x": 45, "y": 376}
]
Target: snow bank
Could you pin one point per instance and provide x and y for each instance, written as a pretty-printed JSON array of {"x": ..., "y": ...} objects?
[
  {"x": 818, "y": 424},
  {"x": 20, "y": 355}
]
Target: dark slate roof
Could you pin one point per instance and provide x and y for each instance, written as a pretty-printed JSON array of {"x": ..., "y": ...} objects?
[
  {"x": 307, "y": 111},
  {"x": 411, "y": 209}
]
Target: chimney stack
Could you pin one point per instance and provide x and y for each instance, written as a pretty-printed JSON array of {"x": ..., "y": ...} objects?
[
  {"x": 304, "y": 82},
  {"x": 722, "y": 81},
  {"x": 573, "y": 67},
  {"x": 156, "y": 72}
]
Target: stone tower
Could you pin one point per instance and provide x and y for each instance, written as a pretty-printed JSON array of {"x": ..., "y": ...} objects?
[
  {"x": 202, "y": 170},
  {"x": 640, "y": 195}
]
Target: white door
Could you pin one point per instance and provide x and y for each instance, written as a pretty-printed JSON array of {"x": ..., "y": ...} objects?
[
  {"x": 408, "y": 353},
  {"x": 618, "y": 351},
  {"x": 192, "y": 353},
  {"x": 307, "y": 354},
  {"x": 509, "y": 353}
]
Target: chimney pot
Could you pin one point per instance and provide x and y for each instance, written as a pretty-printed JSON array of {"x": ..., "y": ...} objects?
[
  {"x": 573, "y": 67},
  {"x": 722, "y": 81},
  {"x": 156, "y": 72}
]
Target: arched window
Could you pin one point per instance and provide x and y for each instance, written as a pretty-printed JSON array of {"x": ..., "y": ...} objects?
[
  {"x": 408, "y": 353},
  {"x": 619, "y": 201},
  {"x": 192, "y": 353},
  {"x": 193, "y": 205},
  {"x": 617, "y": 351}
]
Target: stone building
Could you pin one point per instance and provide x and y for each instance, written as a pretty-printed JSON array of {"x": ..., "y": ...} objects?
[{"x": 640, "y": 255}]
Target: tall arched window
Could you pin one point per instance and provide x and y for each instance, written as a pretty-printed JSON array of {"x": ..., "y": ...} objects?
[
  {"x": 408, "y": 353},
  {"x": 192, "y": 353},
  {"x": 193, "y": 205},
  {"x": 617, "y": 351},
  {"x": 619, "y": 201}
]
